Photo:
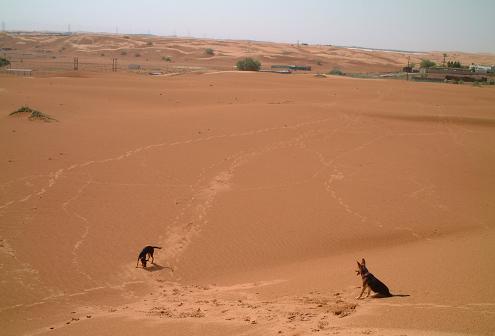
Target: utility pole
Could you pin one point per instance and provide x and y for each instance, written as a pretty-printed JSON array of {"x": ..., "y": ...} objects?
[
  {"x": 114, "y": 64},
  {"x": 3, "y": 26},
  {"x": 76, "y": 63},
  {"x": 408, "y": 67}
]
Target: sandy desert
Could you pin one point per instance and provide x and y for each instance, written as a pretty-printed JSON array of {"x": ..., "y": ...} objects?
[{"x": 262, "y": 190}]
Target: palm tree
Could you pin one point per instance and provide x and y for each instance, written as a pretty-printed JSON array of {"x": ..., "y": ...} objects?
[{"x": 444, "y": 57}]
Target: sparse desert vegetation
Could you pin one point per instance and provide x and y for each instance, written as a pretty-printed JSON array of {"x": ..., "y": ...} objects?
[
  {"x": 248, "y": 64},
  {"x": 426, "y": 63},
  {"x": 33, "y": 114}
]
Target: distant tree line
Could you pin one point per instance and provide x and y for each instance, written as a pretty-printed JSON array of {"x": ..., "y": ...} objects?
[
  {"x": 454, "y": 64},
  {"x": 426, "y": 63}
]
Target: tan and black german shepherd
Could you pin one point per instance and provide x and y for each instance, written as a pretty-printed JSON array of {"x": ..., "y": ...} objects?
[
  {"x": 145, "y": 254},
  {"x": 370, "y": 282}
]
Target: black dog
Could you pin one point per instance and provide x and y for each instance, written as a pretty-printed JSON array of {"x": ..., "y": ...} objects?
[{"x": 143, "y": 256}]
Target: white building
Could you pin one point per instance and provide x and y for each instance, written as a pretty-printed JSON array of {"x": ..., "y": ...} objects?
[{"x": 481, "y": 68}]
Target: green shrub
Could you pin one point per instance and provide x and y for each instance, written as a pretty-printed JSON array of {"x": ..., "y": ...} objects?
[
  {"x": 209, "y": 51},
  {"x": 123, "y": 52},
  {"x": 426, "y": 63},
  {"x": 336, "y": 72},
  {"x": 248, "y": 64},
  {"x": 167, "y": 59},
  {"x": 4, "y": 62},
  {"x": 149, "y": 44}
]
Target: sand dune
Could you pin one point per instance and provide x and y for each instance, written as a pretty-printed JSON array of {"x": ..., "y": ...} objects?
[
  {"x": 48, "y": 54},
  {"x": 263, "y": 191}
]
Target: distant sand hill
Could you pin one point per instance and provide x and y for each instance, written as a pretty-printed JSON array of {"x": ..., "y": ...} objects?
[{"x": 170, "y": 54}]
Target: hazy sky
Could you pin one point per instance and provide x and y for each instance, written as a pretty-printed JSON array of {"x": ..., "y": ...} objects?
[{"x": 463, "y": 25}]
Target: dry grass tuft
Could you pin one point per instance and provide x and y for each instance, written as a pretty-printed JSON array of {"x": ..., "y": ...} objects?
[{"x": 34, "y": 114}]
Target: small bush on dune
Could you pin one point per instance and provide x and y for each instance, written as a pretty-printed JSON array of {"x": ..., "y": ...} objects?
[
  {"x": 248, "y": 64},
  {"x": 37, "y": 115},
  {"x": 22, "y": 109},
  {"x": 167, "y": 59},
  {"x": 34, "y": 114},
  {"x": 209, "y": 51}
]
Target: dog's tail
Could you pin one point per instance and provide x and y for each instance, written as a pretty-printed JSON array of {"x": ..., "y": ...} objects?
[
  {"x": 399, "y": 295},
  {"x": 157, "y": 247}
]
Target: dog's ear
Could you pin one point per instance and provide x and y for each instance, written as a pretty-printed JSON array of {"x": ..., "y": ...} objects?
[
  {"x": 363, "y": 262},
  {"x": 359, "y": 265}
]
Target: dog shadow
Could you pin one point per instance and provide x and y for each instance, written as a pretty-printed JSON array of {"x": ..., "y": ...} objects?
[{"x": 156, "y": 267}]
